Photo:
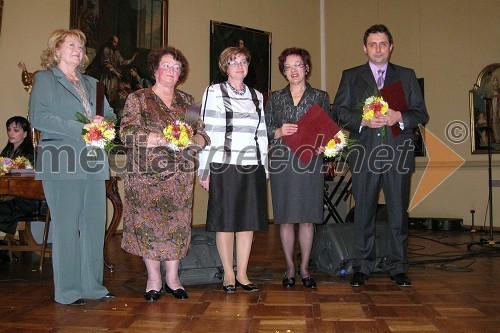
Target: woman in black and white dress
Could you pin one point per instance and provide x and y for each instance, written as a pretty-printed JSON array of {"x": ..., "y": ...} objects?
[{"x": 234, "y": 167}]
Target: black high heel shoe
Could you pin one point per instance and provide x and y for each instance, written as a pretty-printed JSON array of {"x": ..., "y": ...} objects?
[
  {"x": 78, "y": 302},
  {"x": 308, "y": 282},
  {"x": 152, "y": 295},
  {"x": 177, "y": 293},
  {"x": 230, "y": 288},
  {"x": 247, "y": 287},
  {"x": 288, "y": 282}
]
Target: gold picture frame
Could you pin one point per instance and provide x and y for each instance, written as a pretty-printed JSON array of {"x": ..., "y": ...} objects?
[
  {"x": 484, "y": 106},
  {"x": 1, "y": 12}
]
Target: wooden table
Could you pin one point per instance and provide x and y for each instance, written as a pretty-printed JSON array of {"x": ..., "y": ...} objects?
[{"x": 25, "y": 186}]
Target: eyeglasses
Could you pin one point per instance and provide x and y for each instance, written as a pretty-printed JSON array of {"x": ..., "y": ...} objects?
[
  {"x": 297, "y": 65},
  {"x": 238, "y": 63},
  {"x": 167, "y": 66}
]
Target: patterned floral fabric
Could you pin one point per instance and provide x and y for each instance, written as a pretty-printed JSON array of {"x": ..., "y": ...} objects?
[{"x": 158, "y": 182}]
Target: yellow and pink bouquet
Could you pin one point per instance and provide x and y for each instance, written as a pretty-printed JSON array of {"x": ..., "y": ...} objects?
[
  {"x": 375, "y": 106},
  {"x": 178, "y": 135},
  {"x": 22, "y": 162},
  {"x": 7, "y": 164},
  {"x": 99, "y": 135},
  {"x": 335, "y": 145}
]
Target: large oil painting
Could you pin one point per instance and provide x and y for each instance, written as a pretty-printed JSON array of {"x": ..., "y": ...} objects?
[{"x": 120, "y": 34}]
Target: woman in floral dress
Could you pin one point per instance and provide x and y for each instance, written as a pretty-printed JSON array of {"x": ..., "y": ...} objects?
[{"x": 158, "y": 180}]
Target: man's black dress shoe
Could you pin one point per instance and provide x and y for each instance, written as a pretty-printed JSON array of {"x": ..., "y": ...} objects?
[
  {"x": 288, "y": 282},
  {"x": 401, "y": 279},
  {"x": 247, "y": 287},
  {"x": 109, "y": 296},
  {"x": 178, "y": 293},
  {"x": 309, "y": 282},
  {"x": 358, "y": 279},
  {"x": 152, "y": 295},
  {"x": 230, "y": 288},
  {"x": 79, "y": 301}
]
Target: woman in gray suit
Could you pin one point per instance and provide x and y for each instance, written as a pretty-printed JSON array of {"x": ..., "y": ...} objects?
[{"x": 74, "y": 183}]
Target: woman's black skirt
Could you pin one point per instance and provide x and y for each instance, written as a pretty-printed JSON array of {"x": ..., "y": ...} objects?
[{"x": 237, "y": 198}]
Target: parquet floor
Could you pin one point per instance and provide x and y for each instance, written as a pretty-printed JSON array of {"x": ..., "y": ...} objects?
[{"x": 448, "y": 295}]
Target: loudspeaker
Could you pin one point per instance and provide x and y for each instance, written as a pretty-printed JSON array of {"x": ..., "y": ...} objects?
[
  {"x": 202, "y": 265},
  {"x": 333, "y": 248},
  {"x": 381, "y": 215}
]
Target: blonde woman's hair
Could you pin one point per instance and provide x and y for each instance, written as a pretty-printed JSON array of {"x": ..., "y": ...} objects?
[
  {"x": 229, "y": 54},
  {"x": 50, "y": 57}
]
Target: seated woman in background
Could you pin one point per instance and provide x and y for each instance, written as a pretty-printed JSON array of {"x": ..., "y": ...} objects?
[
  {"x": 18, "y": 144},
  {"x": 138, "y": 80}
]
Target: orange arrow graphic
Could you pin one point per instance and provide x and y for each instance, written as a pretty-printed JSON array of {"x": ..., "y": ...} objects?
[{"x": 443, "y": 162}]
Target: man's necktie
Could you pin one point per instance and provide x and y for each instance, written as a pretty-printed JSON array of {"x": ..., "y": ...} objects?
[{"x": 380, "y": 80}]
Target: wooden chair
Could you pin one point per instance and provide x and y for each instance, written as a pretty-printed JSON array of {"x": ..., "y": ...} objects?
[{"x": 27, "y": 242}]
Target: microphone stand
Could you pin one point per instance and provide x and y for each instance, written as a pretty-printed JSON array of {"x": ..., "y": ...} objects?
[{"x": 491, "y": 240}]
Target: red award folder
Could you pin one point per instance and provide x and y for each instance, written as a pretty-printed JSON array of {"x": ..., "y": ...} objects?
[
  {"x": 394, "y": 95},
  {"x": 315, "y": 128}
]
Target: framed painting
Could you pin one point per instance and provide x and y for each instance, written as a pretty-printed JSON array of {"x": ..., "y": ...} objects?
[
  {"x": 223, "y": 35},
  {"x": 484, "y": 105},
  {"x": 137, "y": 26}
]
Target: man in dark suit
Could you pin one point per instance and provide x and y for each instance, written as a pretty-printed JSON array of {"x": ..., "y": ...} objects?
[{"x": 380, "y": 158}]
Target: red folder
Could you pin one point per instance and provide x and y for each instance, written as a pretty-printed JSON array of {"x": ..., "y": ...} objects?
[
  {"x": 315, "y": 128},
  {"x": 394, "y": 95}
]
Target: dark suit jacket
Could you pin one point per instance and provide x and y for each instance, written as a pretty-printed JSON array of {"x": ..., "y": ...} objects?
[
  {"x": 356, "y": 85},
  {"x": 54, "y": 103}
]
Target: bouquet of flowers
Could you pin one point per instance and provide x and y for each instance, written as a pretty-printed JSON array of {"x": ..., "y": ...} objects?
[
  {"x": 375, "y": 106},
  {"x": 5, "y": 165},
  {"x": 335, "y": 145},
  {"x": 178, "y": 135},
  {"x": 99, "y": 135},
  {"x": 22, "y": 162}
]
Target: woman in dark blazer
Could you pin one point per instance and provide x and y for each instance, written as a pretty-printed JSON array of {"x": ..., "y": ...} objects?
[
  {"x": 74, "y": 183},
  {"x": 297, "y": 188}
]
